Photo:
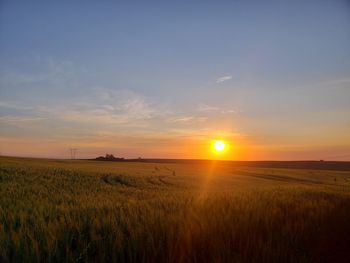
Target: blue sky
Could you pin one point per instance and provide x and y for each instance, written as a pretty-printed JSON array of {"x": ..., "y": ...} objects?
[{"x": 158, "y": 79}]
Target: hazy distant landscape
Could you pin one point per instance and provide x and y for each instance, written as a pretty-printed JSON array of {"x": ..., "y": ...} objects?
[{"x": 89, "y": 211}]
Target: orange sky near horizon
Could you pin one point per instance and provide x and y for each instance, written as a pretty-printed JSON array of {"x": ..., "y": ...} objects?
[{"x": 180, "y": 148}]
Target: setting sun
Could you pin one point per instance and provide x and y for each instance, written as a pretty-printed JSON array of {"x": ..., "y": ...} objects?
[{"x": 219, "y": 146}]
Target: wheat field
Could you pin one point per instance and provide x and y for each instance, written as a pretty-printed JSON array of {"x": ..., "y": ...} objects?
[{"x": 89, "y": 211}]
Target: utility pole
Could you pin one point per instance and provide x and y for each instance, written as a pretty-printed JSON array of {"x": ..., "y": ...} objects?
[{"x": 73, "y": 152}]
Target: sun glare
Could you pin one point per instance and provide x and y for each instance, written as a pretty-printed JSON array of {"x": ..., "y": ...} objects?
[{"x": 219, "y": 146}]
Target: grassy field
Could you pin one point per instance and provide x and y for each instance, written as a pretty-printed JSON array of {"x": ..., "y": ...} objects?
[{"x": 88, "y": 211}]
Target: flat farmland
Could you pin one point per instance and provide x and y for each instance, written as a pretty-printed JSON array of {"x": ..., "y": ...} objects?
[{"x": 90, "y": 211}]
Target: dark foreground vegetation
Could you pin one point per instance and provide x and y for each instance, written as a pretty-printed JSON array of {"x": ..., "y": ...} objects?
[{"x": 88, "y": 211}]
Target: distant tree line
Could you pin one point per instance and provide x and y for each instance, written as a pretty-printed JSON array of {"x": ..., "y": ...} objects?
[{"x": 109, "y": 157}]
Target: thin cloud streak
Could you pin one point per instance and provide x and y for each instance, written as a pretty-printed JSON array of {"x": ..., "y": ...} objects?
[
  {"x": 223, "y": 79},
  {"x": 17, "y": 119}
]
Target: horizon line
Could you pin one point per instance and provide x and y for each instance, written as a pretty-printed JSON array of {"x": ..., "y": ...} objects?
[{"x": 174, "y": 159}]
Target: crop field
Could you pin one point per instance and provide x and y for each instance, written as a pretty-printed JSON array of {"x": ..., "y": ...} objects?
[{"x": 90, "y": 211}]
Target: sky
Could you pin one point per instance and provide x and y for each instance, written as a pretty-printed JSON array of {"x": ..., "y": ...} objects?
[{"x": 163, "y": 79}]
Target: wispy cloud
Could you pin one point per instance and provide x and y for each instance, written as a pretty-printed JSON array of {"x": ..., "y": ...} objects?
[
  {"x": 13, "y": 105},
  {"x": 206, "y": 108},
  {"x": 17, "y": 119},
  {"x": 187, "y": 119},
  {"x": 76, "y": 108},
  {"x": 101, "y": 107},
  {"x": 223, "y": 79},
  {"x": 45, "y": 72},
  {"x": 230, "y": 111},
  {"x": 105, "y": 107}
]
